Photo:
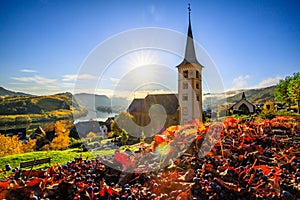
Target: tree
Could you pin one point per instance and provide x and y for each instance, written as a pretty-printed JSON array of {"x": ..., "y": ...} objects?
[
  {"x": 61, "y": 139},
  {"x": 288, "y": 90},
  {"x": 294, "y": 90}
]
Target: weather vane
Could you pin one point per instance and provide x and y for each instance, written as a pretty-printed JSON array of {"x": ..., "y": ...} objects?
[{"x": 189, "y": 7}]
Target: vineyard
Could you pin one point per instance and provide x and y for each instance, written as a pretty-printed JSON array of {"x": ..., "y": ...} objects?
[{"x": 233, "y": 159}]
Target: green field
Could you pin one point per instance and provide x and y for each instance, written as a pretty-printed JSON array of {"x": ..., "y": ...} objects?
[{"x": 59, "y": 157}]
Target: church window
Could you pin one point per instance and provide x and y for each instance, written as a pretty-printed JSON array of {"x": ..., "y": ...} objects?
[
  {"x": 197, "y": 74},
  {"x": 197, "y": 85},
  {"x": 184, "y": 97},
  {"x": 185, "y": 85},
  {"x": 185, "y": 73},
  {"x": 198, "y": 98}
]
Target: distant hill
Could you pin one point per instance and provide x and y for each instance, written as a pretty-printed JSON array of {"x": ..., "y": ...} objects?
[
  {"x": 25, "y": 109},
  {"x": 94, "y": 101},
  {"x": 89, "y": 100},
  {"x": 5, "y": 92},
  {"x": 256, "y": 96}
]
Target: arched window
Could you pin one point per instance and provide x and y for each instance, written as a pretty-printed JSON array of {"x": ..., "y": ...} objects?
[{"x": 185, "y": 73}]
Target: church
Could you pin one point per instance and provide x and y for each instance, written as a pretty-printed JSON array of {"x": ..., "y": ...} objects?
[
  {"x": 243, "y": 106},
  {"x": 184, "y": 106}
]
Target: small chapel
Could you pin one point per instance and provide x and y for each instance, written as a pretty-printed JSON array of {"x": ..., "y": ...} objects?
[
  {"x": 187, "y": 104},
  {"x": 242, "y": 106}
]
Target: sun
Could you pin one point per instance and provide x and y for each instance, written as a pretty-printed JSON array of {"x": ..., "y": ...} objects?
[{"x": 142, "y": 57}]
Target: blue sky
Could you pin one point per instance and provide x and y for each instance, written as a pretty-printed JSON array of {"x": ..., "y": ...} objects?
[{"x": 44, "y": 43}]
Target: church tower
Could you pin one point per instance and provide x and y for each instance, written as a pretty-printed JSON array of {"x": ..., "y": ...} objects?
[{"x": 190, "y": 81}]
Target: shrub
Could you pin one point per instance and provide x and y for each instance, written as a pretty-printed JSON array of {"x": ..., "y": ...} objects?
[
  {"x": 268, "y": 111},
  {"x": 10, "y": 145},
  {"x": 30, "y": 145}
]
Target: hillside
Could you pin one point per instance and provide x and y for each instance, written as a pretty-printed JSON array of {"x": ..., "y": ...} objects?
[
  {"x": 26, "y": 109},
  {"x": 256, "y": 96},
  {"x": 101, "y": 102},
  {"x": 5, "y": 92}
]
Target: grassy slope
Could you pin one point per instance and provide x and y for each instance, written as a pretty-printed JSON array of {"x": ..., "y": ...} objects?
[{"x": 59, "y": 157}]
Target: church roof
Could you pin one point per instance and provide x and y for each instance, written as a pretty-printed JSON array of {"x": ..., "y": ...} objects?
[
  {"x": 168, "y": 101},
  {"x": 190, "y": 54},
  {"x": 243, "y": 100}
]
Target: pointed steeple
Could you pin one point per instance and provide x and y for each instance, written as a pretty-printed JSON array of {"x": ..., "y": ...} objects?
[
  {"x": 244, "y": 96},
  {"x": 190, "y": 54}
]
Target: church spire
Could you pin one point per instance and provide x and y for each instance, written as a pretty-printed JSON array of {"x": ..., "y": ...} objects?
[
  {"x": 243, "y": 96},
  {"x": 190, "y": 54}
]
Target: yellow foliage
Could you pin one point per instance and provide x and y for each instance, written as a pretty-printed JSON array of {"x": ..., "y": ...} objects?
[
  {"x": 61, "y": 141},
  {"x": 91, "y": 135},
  {"x": 269, "y": 107},
  {"x": 259, "y": 119},
  {"x": 10, "y": 145},
  {"x": 30, "y": 145}
]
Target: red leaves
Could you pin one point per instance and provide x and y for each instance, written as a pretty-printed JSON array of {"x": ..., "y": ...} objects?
[
  {"x": 264, "y": 168},
  {"x": 122, "y": 158},
  {"x": 107, "y": 190},
  {"x": 34, "y": 182},
  {"x": 160, "y": 138},
  {"x": 4, "y": 184}
]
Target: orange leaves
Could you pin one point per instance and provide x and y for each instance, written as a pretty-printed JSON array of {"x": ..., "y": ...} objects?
[
  {"x": 4, "y": 184},
  {"x": 160, "y": 138},
  {"x": 34, "y": 182},
  {"x": 171, "y": 130},
  {"x": 230, "y": 122}
]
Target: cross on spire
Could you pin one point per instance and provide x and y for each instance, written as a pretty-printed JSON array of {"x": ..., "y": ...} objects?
[{"x": 190, "y": 54}]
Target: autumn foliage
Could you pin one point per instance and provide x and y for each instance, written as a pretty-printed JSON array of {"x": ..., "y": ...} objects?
[
  {"x": 12, "y": 145},
  {"x": 61, "y": 139}
]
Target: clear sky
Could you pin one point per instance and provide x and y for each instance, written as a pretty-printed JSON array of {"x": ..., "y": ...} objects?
[{"x": 44, "y": 43}]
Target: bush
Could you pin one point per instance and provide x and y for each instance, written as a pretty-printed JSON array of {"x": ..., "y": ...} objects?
[
  {"x": 12, "y": 145},
  {"x": 268, "y": 111},
  {"x": 30, "y": 146}
]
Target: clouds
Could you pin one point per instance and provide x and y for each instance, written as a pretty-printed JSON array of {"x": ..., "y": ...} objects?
[
  {"x": 74, "y": 77},
  {"x": 269, "y": 81},
  {"x": 35, "y": 79},
  {"x": 41, "y": 85},
  {"x": 28, "y": 71},
  {"x": 240, "y": 82}
]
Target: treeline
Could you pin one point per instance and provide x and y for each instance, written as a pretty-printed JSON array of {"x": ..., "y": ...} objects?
[
  {"x": 105, "y": 109},
  {"x": 288, "y": 90}
]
